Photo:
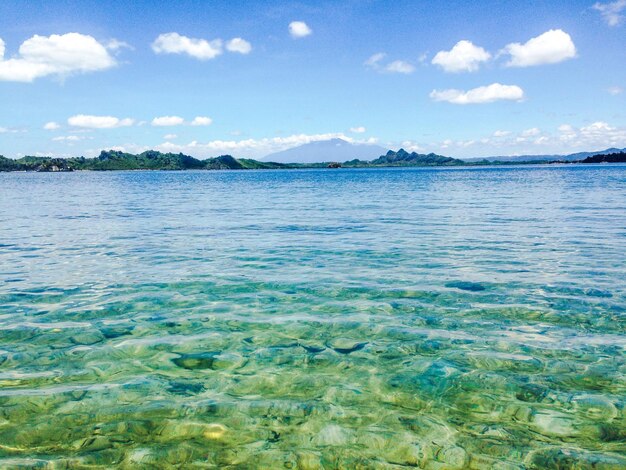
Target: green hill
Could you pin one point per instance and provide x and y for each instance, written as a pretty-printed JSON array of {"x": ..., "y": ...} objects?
[{"x": 404, "y": 158}]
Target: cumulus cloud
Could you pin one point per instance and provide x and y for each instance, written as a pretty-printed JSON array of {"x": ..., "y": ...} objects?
[
  {"x": 98, "y": 122},
  {"x": 174, "y": 43},
  {"x": 399, "y": 66},
  {"x": 357, "y": 130},
  {"x": 611, "y": 12},
  {"x": 483, "y": 94},
  {"x": 51, "y": 126},
  {"x": 170, "y": 136},
  {"x": 201, "y": 121},
  {"x": 55, "y": 55},
  {"x": 167, "y": 121},
  {"x": 550, "y": 47},
  {"x": 463, "y": 57},
  {"x": 299, "y": 29},
  {"x": 239, "y": 45}
]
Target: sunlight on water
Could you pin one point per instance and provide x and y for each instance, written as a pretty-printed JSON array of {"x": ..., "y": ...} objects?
[{"x": 440, "y": 319}]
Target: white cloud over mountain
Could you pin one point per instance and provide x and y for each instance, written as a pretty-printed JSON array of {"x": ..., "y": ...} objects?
[
  {"x": 251, "y": 147},
  {"x": 550, "y": 47},
  {"x": 463, "y": 57},
  {"x": 55, "y": 55},
  {"x": 483, "y": 94}
]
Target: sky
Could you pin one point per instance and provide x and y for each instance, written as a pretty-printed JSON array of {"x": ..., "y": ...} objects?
[{"x": 464, "y": 79}]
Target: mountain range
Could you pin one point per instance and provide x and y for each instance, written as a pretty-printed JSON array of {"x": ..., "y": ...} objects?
[
  {"x": 154, "y": 160},
  {"x": 572, "y": 157}
]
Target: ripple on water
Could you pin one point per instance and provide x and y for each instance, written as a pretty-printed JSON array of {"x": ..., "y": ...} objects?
[{"x": 397, "y": 323}]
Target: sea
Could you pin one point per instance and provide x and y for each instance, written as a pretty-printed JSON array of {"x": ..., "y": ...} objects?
[{"x": 434, "y": 318}]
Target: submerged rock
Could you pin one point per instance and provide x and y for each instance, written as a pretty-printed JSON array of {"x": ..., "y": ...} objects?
[
  {"x": 87, "y": 337},
  {"x": 332, "y": 435},
  {"x": 196, "y": 361},
  {"x": 346, "y": 345},
  {"x": 466, "y": 285},
  {"x": 561, "y": 458}
]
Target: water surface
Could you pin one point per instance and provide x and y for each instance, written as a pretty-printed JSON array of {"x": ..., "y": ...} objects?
[{"x": 387, "y": 318}]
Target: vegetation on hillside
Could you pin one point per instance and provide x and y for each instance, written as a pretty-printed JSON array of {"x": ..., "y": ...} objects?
[{"x": 153, "y": 160}]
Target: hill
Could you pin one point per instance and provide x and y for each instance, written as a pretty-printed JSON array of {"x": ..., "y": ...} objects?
[{"x": 404, "y": 158}]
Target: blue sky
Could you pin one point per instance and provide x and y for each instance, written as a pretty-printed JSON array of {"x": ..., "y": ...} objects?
[{"x": 249, "y": 78}]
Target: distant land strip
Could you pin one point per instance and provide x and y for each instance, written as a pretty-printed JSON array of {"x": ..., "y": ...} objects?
[{"x": 113, "y": 160}]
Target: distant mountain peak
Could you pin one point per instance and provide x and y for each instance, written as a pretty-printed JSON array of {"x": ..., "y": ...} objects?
[{"x": 331, "y": 150}]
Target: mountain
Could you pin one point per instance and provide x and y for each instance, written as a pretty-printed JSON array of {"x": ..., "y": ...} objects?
[
  {"x": 543, "y": 158},
  {"x": 333, "y": 150}
]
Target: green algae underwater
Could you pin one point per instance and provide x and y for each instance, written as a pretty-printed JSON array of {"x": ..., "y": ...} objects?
[{"x": 385, "y": 319}]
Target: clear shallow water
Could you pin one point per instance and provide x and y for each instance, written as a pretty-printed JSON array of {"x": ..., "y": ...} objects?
[{"x": 438, "y": 318}]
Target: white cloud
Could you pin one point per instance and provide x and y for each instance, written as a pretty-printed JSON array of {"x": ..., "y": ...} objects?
[
  {"x": 115, "y": 45},
  {"x": 615, "y": 90},
  {"x": 501, "y": 133},
  {"x": 239, "y": 45},
  {"x": 57, "y": 55},
  {"x": 174, "y": 43},
  {"x": 357, "y": 130},
  {"x": 596, "y": 136},
  {"x": 531, "y": 132},
  {"x": 611, "y": 12},
  {"x": 99, "y": 122},
  {"x": 548, "y": 48},
  {"x": 399, "y": 66},
  {"x": 201, "y": 121},
  {"x": 67, "y": 138},
  {"x": 483, "y": 94},
  {"x": 299, "y": 29},
  {"x": 463, "y": 57},
  {"x": 167, "y": 121},
  {"x": 170, "y": 136},
  {"x": 374, "y": 60},
  {"x": 51, "y": 126}
]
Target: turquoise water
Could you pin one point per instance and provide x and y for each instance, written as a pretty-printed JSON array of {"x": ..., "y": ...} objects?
[{"x": 387, "y": 318}]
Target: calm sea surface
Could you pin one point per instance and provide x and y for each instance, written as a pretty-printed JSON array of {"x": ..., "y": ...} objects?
[{"x": 387, "y": 318}]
